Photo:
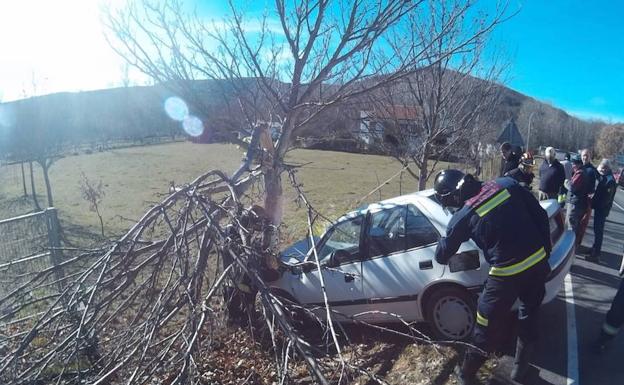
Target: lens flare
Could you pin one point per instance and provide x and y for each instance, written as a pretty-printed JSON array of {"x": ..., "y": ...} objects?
[
  {"x": 176, "y": 108},
  {"x": 193, "y": 126}
]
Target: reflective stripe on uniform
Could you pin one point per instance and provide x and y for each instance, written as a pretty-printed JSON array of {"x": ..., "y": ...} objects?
[
  {"x": 481, "y": 320},
  {"x": 520, "y": 266},
  {"x": 491, "y": 203},
  {"x": 561, "y": 198},
  {"x": 608, "y": 329}
]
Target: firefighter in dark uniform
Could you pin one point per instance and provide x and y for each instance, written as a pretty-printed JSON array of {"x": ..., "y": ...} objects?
[
  {"x": 494, "y": 214},
  {"x": 524, "y": 173},
  {"x": 614, "y": 319}
]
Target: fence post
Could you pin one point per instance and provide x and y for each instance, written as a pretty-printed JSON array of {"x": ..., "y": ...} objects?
[{"x": 54, "y": 240}]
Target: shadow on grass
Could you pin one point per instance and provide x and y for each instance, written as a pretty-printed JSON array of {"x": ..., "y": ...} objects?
[
  {"x": 16, "y": 206},
  {"x": 80, "y": 236}
]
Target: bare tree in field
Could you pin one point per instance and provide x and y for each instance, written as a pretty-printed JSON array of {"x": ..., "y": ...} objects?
[
  {"x": 611, "y": 140},
  {"x": 447, "y": 104},
  {"x": 307, "y": 57}
]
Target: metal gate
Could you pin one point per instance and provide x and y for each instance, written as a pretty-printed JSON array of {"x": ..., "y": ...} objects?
[{"x": 28, "y": 244}]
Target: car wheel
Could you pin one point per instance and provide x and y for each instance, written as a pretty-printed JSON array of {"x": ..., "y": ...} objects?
[{"x": 450, "y": 311}]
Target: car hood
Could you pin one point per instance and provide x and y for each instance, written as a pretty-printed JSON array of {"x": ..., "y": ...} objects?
[{"x": 297, "y": 251}]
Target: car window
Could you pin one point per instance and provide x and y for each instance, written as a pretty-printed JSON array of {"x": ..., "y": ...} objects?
[
  {"x": 386, "y": 233},
  {"x": 343, "y": 236},
  {"x": 419, "y": 230}
]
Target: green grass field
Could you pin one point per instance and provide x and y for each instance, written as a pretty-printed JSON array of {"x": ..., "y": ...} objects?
[{"x": 135, "y": 178}]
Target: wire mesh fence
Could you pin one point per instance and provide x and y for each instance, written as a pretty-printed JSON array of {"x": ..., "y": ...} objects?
[{"x": 28, "y": 245}]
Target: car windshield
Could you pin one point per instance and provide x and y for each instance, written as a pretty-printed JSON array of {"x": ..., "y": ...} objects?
[{"x": 343, "y": 236}]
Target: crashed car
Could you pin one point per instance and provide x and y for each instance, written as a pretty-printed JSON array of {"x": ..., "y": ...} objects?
[{"x": 378, "y": 265}]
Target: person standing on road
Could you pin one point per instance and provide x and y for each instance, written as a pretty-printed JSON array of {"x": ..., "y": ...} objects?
[
  {"x": 567, "y": 169},
  {"x": 589, "y": 169},
  {"x": 602, "y": 203},
  {"x": 591, "y": 177},
  {"x": 491, "y": 214},
  {"x": 552, "y": 176},
  {"x": 523, "y": 174},
  {"x": 614, "y": 318},
  {"x": 579, "y": 199},
  {"x": 511, "y": 157}
]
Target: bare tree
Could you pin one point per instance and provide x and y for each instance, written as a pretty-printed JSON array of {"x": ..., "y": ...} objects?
[
  {"x": 611, "y": 140},
  {"x": 93, "y": 193},
  {"x": 446, "y": 105},
  {"x": 313, "y": 55}
]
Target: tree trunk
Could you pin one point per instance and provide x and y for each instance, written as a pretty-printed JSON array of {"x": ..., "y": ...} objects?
[
  {"x": 273, "y": 195},
  {"x": 46, "y": 167},
  {"x": 101, "y": 221},
  {"x": 32, "y": 188},
  {"x": 423, "y": 171},
  {"x": 24, "y": 180}
]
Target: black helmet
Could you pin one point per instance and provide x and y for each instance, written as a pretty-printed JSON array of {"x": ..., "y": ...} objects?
[
  {"x": 453, "y": 187},
  {"x": 445, "y": 187}
]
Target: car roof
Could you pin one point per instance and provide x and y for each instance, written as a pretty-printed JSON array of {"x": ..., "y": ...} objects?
[
  {"x": 550, "y": 205},
  {"x": 387, "y": 203}
]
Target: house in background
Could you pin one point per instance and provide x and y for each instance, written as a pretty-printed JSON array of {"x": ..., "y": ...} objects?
[
  {"x": 385, "y": 124},
  {"x": 512, "y": 135}
]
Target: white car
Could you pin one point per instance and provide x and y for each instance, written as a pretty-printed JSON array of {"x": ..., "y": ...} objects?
[{"x": 378, "y": 262}]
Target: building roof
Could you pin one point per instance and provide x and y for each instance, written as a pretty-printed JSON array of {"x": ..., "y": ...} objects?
[{"x": 511, "y": 134}]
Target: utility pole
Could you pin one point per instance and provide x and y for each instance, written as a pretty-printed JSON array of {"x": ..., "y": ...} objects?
[{"x": 529, "y": 133}]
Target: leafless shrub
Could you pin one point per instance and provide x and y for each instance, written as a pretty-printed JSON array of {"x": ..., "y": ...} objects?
[{"x": 93, "y": 192}]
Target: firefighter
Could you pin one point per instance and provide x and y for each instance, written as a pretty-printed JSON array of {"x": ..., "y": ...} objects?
[
  {"x": 614, "y": 318},
  {"x": 524, "y": 173},
  {"x": 509, "y": 225}
]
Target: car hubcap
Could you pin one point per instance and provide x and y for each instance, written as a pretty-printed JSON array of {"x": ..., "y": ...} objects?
[{"x": 453, "y": 317}]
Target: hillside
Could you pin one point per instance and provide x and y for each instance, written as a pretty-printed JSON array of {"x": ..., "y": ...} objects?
[{"x": 137, "y": 112}]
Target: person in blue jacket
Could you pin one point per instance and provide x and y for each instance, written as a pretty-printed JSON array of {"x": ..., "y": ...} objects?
[
  {"x": 602, "y": 202},
  {"x": 509, "y": 225}
]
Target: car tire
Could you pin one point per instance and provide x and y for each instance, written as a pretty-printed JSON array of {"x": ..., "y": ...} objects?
[{"x": 450, "y": 312}]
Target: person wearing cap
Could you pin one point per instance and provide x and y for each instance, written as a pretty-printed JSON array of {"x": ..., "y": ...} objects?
[
  {"x": 491, "y": 214},
  {"x": 552, "y": 176},
  {"x": 511, "y": 157},
  {"x": 523, "y": 174},
  {"x": 602, "y": 202}
]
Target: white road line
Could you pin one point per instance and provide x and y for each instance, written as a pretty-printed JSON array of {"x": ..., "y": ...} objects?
[
  {"x": 573, "y": 368},
  {"x": 620, "y": 207}
]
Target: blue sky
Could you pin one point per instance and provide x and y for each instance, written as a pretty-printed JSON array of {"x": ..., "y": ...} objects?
[{"x": 569, "y": 53}]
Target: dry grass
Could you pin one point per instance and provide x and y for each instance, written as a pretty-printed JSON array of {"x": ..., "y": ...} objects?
[{"x": 135, "y": 178}]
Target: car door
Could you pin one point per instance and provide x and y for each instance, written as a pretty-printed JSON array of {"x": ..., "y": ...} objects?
[
  {"x": 400, "y": 247},
  {"x": 342, "y": 279}
]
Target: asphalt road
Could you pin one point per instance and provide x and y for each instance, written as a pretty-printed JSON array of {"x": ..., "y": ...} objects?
[{"x": 593, "y": 287}]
